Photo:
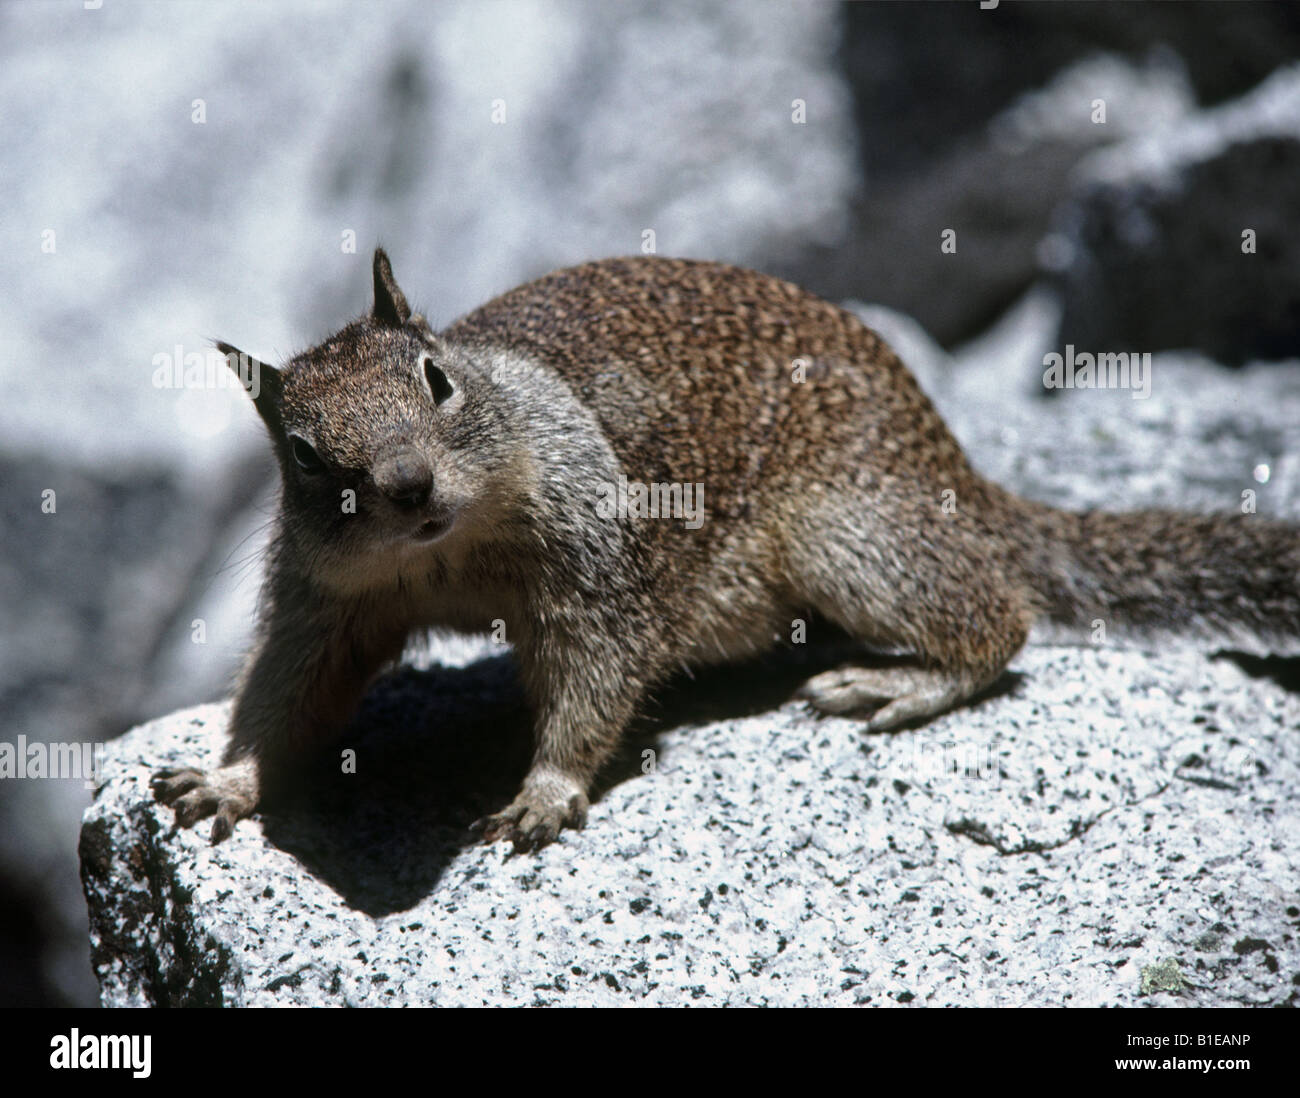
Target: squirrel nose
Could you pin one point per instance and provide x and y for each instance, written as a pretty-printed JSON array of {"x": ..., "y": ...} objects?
[{"x": 404, "y": 477}]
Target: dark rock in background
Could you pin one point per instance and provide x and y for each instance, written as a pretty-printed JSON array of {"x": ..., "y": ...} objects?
[
  {"x": 998, "y": 201},
  {"x": 1163, "y": 267},
  {"x": 1149, "y": 248},
  {"x": 927, "y": 81},
  {"x": 922, "y": 74}
]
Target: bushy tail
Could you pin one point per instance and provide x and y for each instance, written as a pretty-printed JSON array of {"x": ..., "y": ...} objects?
[{"x": 1229, "y": 581}]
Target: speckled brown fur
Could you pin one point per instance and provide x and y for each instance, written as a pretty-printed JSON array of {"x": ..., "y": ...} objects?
[{"x": 831, "y": 486}]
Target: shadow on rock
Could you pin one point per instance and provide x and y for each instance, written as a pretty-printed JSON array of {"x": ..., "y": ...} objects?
[
  {"x": 1283, "y": 670},
  {"x": 437, "y": 749}
]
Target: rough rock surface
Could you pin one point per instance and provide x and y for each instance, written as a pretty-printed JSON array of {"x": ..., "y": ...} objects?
[{"x": 1100, "y": 811}]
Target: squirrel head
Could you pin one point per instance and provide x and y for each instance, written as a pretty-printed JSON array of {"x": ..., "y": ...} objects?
[{"x": 383, "y": 448}]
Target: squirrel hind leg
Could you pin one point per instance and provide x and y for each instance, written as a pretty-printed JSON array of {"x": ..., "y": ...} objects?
[
  {"x": 957, "y": 661},
  {"x": 957, "y": 610}
]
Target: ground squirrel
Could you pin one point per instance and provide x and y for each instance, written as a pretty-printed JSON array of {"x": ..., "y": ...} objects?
[{"x": 488, "y": 468}]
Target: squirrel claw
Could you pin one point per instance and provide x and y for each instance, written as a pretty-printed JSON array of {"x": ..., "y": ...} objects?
[
  {"x": 530, "y": 824},
  {"x": 229, "y": 794},
  {"x": 537, "y": 838}
]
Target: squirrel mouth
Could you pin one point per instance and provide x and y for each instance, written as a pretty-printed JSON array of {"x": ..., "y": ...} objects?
[{"x": 432, "y": 529}]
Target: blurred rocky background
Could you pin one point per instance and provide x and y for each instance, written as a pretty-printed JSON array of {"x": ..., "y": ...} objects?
[{"x": 178, "y": 172}]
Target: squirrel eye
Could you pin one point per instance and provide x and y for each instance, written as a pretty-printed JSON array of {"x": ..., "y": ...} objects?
[
  {"x": 308, "y": 460},
  {"x": 439, "y": 386}
]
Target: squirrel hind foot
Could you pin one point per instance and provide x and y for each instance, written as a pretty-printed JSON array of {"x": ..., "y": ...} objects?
[{"x": 894, "y": 695}]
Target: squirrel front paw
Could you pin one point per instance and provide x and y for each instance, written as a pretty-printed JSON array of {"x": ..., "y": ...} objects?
[
  {"x": 229, "y": 794},
  {"x": 548, "y": 803}
]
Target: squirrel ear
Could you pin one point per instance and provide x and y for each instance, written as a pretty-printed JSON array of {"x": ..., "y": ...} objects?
[
  {"x": 390, "y": 303},
  {"x": 263, "y": 383}
]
